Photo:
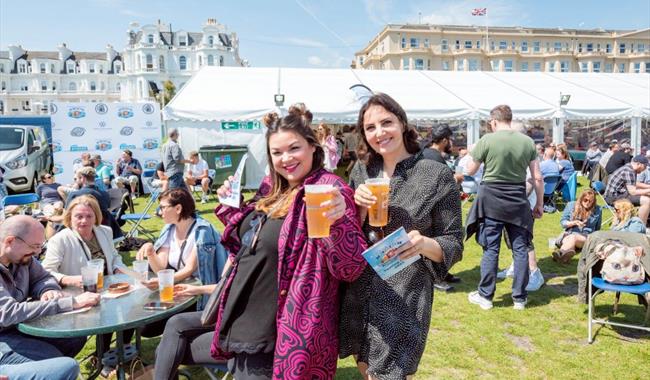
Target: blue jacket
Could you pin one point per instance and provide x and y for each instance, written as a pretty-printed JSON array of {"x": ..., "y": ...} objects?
[
  {"x": 634, "y": 224},
  {"x": 211, "y": 254},
  {"x": 593, "y": 222}
]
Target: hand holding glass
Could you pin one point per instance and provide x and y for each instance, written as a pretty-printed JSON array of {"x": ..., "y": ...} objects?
[
  {"x": 378, "y": 212},
  {"x": 318, "y": 225}
]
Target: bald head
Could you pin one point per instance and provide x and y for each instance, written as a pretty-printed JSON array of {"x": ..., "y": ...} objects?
[
  {"x": 20, "y": 237},
  {"x": 20, "y": 225}
]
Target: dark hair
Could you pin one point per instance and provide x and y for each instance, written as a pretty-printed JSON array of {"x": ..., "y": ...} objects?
[
  {"x": 180, "y": 196},
  {"x": 297, "y": 121},
  {"x": 409, "y": 135},
  {"x": 440, "y": 133},
  {"x": 128, "y": 152},
  {"x": 501, "y": 113}
]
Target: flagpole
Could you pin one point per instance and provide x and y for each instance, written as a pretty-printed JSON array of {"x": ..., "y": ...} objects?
[{"x": 487, "y": 31}]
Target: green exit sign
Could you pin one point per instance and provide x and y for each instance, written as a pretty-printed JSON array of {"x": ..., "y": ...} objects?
[{"x": 234, "y": 125}]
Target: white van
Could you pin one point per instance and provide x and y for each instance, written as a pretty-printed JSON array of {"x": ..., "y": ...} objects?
[{"x": 24, "y": 156}]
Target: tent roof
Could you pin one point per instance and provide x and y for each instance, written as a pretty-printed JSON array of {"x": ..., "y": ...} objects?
[{"x": 232, "y": 93}]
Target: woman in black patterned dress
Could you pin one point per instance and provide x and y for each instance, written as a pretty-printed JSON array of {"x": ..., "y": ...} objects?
[{"x": 384, "y": 323}]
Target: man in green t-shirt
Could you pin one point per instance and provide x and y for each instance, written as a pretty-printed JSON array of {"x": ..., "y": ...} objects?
[{"x": 502, "y": 203}]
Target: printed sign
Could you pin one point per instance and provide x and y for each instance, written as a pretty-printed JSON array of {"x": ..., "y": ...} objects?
[
  {"x": 380, "y": 256},
  {"x": 235, "y": 185},
  {"x": 235, "y": 125}
]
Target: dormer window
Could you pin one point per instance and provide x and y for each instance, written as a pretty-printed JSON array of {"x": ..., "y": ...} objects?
[
  {"x": 210, "y": 41},
  {"x": 118, "y": 67},
  {"x": 150, "y": 38},
  {"x": 182, "y": 40},
  {"x": 42, "y": 68},
  {"x": 70, "y": 66},
  {"x": 22, "y": 67}
]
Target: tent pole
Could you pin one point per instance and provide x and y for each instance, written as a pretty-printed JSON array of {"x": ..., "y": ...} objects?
[{"x": 635, "y": 131}]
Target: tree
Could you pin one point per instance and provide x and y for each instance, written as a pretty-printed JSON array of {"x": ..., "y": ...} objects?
[{"x": 167, "y": 93}]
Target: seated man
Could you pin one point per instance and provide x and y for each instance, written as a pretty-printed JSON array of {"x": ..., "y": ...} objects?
[
  {"x": 64, "y": 190},
  {"x": 128, "y": 170},
  {"x": 198, "y": 175},
  {"x": 619, "y": 158},
  {"x": 103, "y": 171},
  {"x": 623, "y": 184},
  {"x": 27, "y": 292},
  {"x": 592, "y": 156},
  {"x": 548, "y": 166}
]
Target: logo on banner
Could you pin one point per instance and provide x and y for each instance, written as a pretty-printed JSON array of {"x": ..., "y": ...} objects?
[
  {"x": 102, "y": 124},
  {"x": 150, "y": 164},
  {"x": 148, "y": 108},
  {"x": 76, "y": 112},
  {"x": 78, "y": 148},
  {"x": 101, "y": 108},
  {"x": 126, "y": 131},
  {"x": 57, "y": 169},
  {"x": 150, "y": 144},
  {"x": 127, "y": 146},
  {"x": 103, "y": 145},
  {"x": 53, "y": 109},
  {"x": 56, "y": 146},
  {"x": 125, "y": 112},
  {"x": 77, "y": 131},
  {"x": 76, "y": 161}
]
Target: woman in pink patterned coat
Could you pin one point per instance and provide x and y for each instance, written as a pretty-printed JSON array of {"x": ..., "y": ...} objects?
[{"x": 278, "y": 316}]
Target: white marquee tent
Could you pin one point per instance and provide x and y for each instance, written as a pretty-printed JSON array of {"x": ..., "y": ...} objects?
[{"x": 220, "y": 94}]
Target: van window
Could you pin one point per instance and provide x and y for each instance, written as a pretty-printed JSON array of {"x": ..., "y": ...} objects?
[
  {"x": 30, "y": 139},
  {"x": 11, "y": 138}
]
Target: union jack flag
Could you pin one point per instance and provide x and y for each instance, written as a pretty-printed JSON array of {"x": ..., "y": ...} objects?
[{"x": 479, "y": 11}]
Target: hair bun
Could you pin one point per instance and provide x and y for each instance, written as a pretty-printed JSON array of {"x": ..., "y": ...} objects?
[
  {"x": 270, "y": 119},
  {"x": 300, "y": 110}
]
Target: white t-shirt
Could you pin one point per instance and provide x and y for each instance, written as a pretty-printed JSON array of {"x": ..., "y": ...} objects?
[
  {"x": 197, "y": 170},
  {"x": 174, "y": 247}
]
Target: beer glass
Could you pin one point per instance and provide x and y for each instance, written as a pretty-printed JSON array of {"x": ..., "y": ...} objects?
[
  {"x": 318, "y": 226},
  {"x": 141, "y": 267},
  {"x": 166, "y": 285},
  {"x": 378, "y": 212},
  {"x": 99, "y": 264},
  {"x": 89, "y": 278}
]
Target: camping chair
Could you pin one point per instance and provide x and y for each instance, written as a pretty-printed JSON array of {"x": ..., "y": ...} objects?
[
  {"x": 599, "y": 188},
  {"x": 551, "y": 185},
  {"x": 147, "y": 179},
  {"x": 135, "y": 220},
  {"x": 601, "y": 285},
  {"x": 570, "y": 188},
  {"x": 120, "y": 201},
  {"x": 470, "y": 187},
  {"x": 198, "y": 189},
  {"x": 19, "y": 200}
]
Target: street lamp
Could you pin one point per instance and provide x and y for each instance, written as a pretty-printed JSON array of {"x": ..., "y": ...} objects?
[{"x": 279, "y": 100}]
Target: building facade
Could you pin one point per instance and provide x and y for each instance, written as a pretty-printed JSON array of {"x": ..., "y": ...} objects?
[
  {"x": 475, "y": 48},
  {"x": 30, "y": 80}
]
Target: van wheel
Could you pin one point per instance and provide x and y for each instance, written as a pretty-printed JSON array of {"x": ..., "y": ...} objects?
[{"x": 32, "y": 189}]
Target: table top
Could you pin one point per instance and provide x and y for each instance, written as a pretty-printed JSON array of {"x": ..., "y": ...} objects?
[{"x": 110, "y": 315}]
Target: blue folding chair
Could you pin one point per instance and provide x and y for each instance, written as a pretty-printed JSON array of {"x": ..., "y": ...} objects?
[
  {"x": 19, "y": 200},
  {"x": 570, "y": 188},
  {"x": 551, "y": 184},
  {"x": 135, "y": 220},
  {"x": 604, "y": 286}
]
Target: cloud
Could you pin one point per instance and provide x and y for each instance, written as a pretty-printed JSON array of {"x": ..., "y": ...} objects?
[
  {"x": 378, "y": 11},
  {"x": 315, "y": 60},
  {"x": 332, "y": 60},
  {"x": 500, "y": 12},
  {"x": 305, "y": 42}
]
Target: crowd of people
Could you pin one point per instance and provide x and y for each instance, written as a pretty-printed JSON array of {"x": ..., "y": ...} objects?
[{"x": 292, "y": 305}]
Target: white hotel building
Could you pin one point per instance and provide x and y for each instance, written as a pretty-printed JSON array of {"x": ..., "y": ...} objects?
[{"x": 30, "y": 80}]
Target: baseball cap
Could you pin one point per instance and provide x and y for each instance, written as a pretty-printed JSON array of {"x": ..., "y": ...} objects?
[
  {"x": 96, "y": 157},
  {"x": 593, "y": 143},
  {"x": 640, "y": 159},
  {"x": 626, "y": 146}
]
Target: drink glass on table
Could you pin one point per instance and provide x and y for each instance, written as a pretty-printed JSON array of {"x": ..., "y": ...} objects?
[
  {"x": 89, "y": 278},
  {"x": 318, "y": 226},
  {"x": 378, "y": 212},
  {"x": 99, "y": 264},
  {"x": 141, "y": 267},
  {"x": 166, "y": 285}
]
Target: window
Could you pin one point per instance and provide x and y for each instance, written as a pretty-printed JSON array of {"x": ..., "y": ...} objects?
[
  {"x": 640, "y": 48},
  {"x": 564, "y": 66},
  {"x": 91, "y": 67},
  {"x": 457, "y": 46},
  {"x": 445, "y": 65},
  {"x": 473, "y": 65},
  {"x": 22, "y": 67},
  {"x": 2, "y": 68},
  {"x": 598, "y": 47},
  {"x": 52, "y": 68},
  {"x": 72, "y": 86},
  {"x": 24, "y": 87},
  {"x": 150, "y": 38},
  {"x": 524, "y": 46},
  {"x": 537, "y": 66},
  {"x": 512, "y": 45},
  {"x": 608, "y": 48},
  {"x": 621, "y": 48},
  {"x": 478, "y": 44},
  {"x": 70, "y": 66},
  {"x": 507, "y": 65},
  {"x": 551, "y": 67},
  {"x": 609, "y": 67},
  {"x": 93, "y": 86},
  {"x": 53, "y": 86},
  {"x": 524, "y": 66},
  {"x": 403, "y": 43},
  {"x": 182, "y": 40},
  {"x": 210, "y": 41},
  {"x": 548, "y": 46},
  {"x": 460, "y": 65},
  {"x": 211, "y": 60},
  {"x": 580, "y": 47},
  {"x": 596, "y": 67},
  {"x": 621, "y": 67},
  {"x": 200, "y": 60},
  {"x": 149, "y": 61},
  {"x": 631, "y": 48},
  {"x": 100, "y": 68},
  {"x": 637, "y": 67},
  {"x": 444, "y": 45},
  {"x": 426, "y": 43},
  {"x": 182, "y": 62},
  {"x": 221, "y": 60},
  {"x": 42, "y": 68},
  {"x": 102, "y": 86},
  {"x": 405, "y": 63},
  {"x": 494, "y": 65},
  {"x": 419, "y": 64},
  {"x": 43, "y": 86},
  {"x": 557, "y": 46},
  {"x": 647, "y": 67},
  {"x": 414, "y": 43},
  {"x": 118, "y": 67},
  {"x": 492, "y": 45},
  {"x": 118, "y": 86},
  {"x": 536, "y": 46},
  {"x": 3, "y": 86},
  {"x": 468, "y": 44},
  {"x": 584, "y": 67},
  {"x": 503, "y": 45},
  {"x": 590, "y": 47}
]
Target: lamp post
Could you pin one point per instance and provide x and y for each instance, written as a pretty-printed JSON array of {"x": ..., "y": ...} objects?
[{"x": 558, "y": 121}]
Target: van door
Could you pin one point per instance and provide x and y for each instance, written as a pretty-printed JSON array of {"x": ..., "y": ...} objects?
[{"x": 35, "y": 161}]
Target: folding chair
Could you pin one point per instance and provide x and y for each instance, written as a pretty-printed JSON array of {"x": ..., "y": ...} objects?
[
  {"x": 147, "y": 179},
  {"x": 135, "y": 220},
  {"x": 599, "y": 188},
  {"x": 604, "y": 286},
  {"x": 197, "y": 188},
  {"x": 551, "y": 184},
  {"x": 19, "y": 200}
]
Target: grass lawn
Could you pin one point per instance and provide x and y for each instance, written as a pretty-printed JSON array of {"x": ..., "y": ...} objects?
[{"x": 547, "y": 340}]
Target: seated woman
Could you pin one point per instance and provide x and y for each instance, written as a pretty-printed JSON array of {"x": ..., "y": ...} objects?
[
  {"x": 580, "y": 218},
  {"x": 564, "y": 163},
  {"x": 626, "y": 219},
  {"x": 51, "y": 201},
  {"x": 188, "y": 244}
]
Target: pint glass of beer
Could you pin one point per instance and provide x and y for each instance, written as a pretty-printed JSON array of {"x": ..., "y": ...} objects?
[
  {"x": 166, "y": 285},
  {"x": 378, "y": 213},
  {"x": 318, "y": 226},
  {"x": 99, "y": 264},
  {"x": 89, "y": 278}
]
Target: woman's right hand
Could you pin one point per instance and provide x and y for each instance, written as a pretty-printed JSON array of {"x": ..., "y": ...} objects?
[
  {"x": 363, "y": 196},
  {"x": 225, "y": 189},
  {"x": 72, "y": 281},
  {"x": 143, "y": 252}
]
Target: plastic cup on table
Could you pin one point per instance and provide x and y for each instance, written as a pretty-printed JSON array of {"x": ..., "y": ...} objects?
[
  {"x": 99, "y": 264},
  {"x": 142, "y": 268},
  {"x": 89, "y": 278},
  {"x": 166, "y": 285}
]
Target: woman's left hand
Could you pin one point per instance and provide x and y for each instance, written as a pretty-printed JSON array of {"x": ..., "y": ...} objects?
[
  {"x": 183, "y": 290},
  {"x": 336, "y": 206},
  {"x": 151, "y": 284},
  {"x": 415, "y": 246}
]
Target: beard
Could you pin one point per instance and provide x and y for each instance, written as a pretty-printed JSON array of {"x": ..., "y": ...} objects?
[
  {"x": 26, "y": 260},
  {"x": 447, "y": 149}
]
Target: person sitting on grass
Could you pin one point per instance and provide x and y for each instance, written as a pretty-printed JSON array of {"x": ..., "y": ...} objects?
[
  {"x": 626, "y": 219},
  {"x": 580, "y": 218}
]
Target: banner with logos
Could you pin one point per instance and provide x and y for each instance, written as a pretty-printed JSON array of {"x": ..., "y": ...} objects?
[{"x": 106, "y": 129}]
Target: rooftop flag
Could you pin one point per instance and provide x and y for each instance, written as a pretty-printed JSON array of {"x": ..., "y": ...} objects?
[{"x": 479, "y": 11}]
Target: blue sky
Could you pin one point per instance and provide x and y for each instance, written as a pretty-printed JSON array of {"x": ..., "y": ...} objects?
[{"x": 291, "y": 33}]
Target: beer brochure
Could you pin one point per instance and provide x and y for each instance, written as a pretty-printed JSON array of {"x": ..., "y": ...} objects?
[
  {"x": 235, "y": 185},
  {"x": 378, "y": 256}
]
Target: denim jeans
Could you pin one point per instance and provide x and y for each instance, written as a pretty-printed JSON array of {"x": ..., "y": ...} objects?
[
  {"x": 18, "y": 367},
  {"x": 176, "y": 181},
  {"x": 490, "y": 239}
]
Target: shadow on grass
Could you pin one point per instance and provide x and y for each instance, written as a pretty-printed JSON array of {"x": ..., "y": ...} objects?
[{"x": 348, "y": 373}]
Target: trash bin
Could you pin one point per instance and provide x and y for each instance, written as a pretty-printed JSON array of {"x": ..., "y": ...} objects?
[{"x": 224, "y": 159}]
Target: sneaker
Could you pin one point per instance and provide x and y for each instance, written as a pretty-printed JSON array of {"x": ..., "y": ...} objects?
[
  {"x": 520, "y": 305},
  {"x": 444, "y": 286},
  {"x": 477, "y": 299},
  {"x": 134, "y": 196},
  {"x": 507, "y": 273},
  {"x": 107, "y": 371},
  {"x": 535, "y": 281},
  {"x": 204, "y": 199}
]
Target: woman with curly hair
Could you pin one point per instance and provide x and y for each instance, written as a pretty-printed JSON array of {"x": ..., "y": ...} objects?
[
  {"x": 580, "y": 218},
  {"x": 626, "y": 219}
]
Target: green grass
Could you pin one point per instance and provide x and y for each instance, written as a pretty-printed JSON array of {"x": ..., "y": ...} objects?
[{"x": 547, "y": 340}]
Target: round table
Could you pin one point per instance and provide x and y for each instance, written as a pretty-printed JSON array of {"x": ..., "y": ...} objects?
[{"x": 111, "y": 315}]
